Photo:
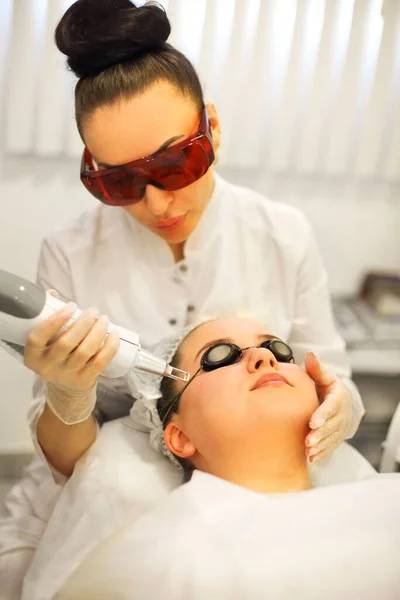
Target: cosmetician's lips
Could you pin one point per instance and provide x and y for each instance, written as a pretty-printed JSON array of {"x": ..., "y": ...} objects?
[
  {"x": 170, "y": 222},
  {"x": 268, "y": 379}
]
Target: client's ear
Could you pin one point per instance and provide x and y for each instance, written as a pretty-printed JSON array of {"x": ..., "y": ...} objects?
[{"x": 178, "y": 442}]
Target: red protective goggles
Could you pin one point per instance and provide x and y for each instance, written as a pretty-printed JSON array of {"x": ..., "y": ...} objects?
[{"x": 171, "y": 169}]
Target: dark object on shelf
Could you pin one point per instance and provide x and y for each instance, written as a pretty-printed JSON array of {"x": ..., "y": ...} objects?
[{"x": 370, "y": 324}]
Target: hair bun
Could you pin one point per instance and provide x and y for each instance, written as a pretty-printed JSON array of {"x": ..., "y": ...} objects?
[{"x": 96, "y": 34}]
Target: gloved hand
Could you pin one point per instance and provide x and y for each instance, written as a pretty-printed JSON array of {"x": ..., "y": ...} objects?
[
  {"x": 71, "y": 363},
  {"x": 70, "y": 406},
  {"x": 331, "y": 421}
]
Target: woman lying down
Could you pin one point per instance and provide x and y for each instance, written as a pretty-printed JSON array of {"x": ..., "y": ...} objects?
[{"x": 248, "y": 524}]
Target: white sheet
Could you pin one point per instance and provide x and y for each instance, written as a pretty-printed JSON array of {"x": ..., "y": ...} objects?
[
  {"x": 211, "y": 540},
  {"x": 122, "y": 477}
]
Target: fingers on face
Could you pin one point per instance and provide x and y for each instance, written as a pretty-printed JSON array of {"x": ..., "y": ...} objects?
[
  {"x": 331, "y": 446},
  {"x": 332, "y": 425},
  {"x": 321, "y": 376},
  {"x": 327, "y": 410},
  {"x": 328, "y": 444}
]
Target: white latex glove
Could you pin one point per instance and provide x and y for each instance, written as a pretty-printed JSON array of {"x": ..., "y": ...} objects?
[
  {"x": 78, "y": 355},
  {"x": 68, "y": 405},
  {"x": 331, "y": 421},
  {"x": 71, "y": 363}
]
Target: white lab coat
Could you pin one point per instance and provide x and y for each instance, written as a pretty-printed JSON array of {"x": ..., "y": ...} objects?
[
  {"x": 212, "y": 540},
  {"x": 249, "y": 256}
]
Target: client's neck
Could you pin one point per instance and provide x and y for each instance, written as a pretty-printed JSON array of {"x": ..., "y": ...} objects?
[{"x": 278, "y": 471}]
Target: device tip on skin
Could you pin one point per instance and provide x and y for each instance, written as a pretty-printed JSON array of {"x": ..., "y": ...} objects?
[{"x": 175, "y": 373}]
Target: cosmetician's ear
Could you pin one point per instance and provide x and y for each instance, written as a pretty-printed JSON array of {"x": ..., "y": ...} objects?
[{"x": 216, "y": 128}]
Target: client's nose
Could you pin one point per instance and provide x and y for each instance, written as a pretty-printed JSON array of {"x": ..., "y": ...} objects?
[{"x": 258, "y": 358}]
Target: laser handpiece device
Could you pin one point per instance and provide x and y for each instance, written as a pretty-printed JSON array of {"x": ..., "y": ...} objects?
[{"x": 23, "y": 305}]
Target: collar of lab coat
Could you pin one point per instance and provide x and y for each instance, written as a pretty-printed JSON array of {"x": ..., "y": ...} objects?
[{"x": 208, "y": 226}]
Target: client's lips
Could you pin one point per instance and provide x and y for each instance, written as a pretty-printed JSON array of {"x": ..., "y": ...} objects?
[{"x": 268, "y": 379}]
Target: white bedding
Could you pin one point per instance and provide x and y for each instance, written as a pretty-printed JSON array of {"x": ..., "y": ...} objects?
[
  {"x": 120, "y": 478},
  {"x": 212, "y": 540}
]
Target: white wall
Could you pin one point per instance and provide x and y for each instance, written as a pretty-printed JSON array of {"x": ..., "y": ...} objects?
[
  {"x": 356, "y": 222},
  {"x": 34, "y": 197},
  {"x": 356, "y": 226}
]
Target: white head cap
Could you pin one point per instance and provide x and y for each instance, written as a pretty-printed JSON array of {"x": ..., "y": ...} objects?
[{"x": 146, "y": 390}]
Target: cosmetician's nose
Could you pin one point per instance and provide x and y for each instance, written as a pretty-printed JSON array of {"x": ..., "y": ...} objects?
[
  {"x": 259, "y": 359},
  {"x": 157, "y": 200}
]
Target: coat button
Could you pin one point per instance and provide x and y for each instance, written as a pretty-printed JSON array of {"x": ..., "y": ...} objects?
[
  {"x": 183, "y": 268},
  {"x": 191, "y": 308},
  {"x": 172, "y": 321}
]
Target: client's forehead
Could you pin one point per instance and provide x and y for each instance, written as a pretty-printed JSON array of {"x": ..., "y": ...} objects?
[{"x": 241, "y": 331}]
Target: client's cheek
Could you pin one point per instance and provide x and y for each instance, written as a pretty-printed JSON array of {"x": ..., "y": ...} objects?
[
  {"x": 308, "y": 387},
  {"x": 196, "y": 391},
  {"x": 204, "y": 390},
  {"x": 312, "y": 397},
  {"x": 192, "y": 397},
  {"x": 202, "y": 398}
]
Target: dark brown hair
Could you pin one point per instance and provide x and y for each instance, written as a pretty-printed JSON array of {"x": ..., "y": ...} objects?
[
  {"x": 169, "y": 391},
  {"x": 117, "y": 50},
  {"x": 168, "y": 386}
]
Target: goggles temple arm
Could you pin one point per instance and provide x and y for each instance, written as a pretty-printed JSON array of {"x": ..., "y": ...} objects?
[{"x": 178, "y": 396}]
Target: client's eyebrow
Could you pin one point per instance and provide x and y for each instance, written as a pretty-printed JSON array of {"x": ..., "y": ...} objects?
[
  {"x": 227, "y": 340},
  {"x": 164, "y": 146}
]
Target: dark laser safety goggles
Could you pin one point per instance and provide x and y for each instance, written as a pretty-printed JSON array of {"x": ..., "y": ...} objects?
[
  {"x": 224, "y": 354},
  {"x": 171, "y": 169}
]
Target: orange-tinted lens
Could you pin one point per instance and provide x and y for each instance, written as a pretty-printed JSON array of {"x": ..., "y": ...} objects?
[{"x": 172, "y": 169}]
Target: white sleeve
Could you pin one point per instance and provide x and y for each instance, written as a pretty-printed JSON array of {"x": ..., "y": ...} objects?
[
  {"x": 113, "y": 397},
  {"x": 313, "y": 324},
  {"x": 53, "y": 273}
]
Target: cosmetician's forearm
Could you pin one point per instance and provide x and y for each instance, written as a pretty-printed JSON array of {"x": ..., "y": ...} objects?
[{"x": 63, "y": 444}]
